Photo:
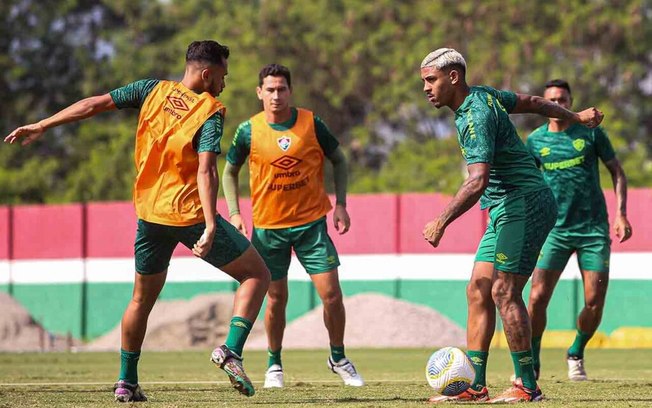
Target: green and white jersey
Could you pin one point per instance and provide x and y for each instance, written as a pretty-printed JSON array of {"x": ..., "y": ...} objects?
[
  {"x": 569, "y": 161},
  {"x": 487, "y": 135}
]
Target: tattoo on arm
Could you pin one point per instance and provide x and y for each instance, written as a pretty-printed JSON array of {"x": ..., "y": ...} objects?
[{"x": 466, "y": 197}]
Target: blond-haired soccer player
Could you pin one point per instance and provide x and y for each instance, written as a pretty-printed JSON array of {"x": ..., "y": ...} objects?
[
  {"x": 177, "y": 142},
  {"x": 286, "y": 147},
  {"x": 522, "y": 210}
]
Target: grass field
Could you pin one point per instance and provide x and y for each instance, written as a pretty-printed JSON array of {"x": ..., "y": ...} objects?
[{"x": 395, "y": 378}]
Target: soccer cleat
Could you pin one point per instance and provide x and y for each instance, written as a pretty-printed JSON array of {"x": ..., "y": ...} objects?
[
  {"x": 125, "y": 392},
  {"x": 274, "y": 377},
  {"x": 576, "y": 371},
  {"x": 468, "y": 395},
  {"x": 346, "y": 370},
  {"x": 231, "y": 363},
  {"x": 518, "y": 393}
]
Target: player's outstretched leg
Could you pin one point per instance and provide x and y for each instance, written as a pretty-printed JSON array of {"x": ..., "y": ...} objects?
[
  {"x": 481, "y": 323},
  {"x": 277, "y": 299},
  {"x": 252, "y": 274},
  {"x": 595, "y": 292},
  {"x": 507, "y": 292},
  {"x": 328, "y": 288},
  {"x": 134, "y": 323}
]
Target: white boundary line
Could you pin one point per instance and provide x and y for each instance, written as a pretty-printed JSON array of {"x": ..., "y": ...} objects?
[
  {"x": 200, "y": 382},
  {"x": 63, "y": 384}
]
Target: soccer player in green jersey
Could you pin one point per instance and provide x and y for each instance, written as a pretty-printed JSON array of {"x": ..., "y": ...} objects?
[
  {"x": 522, "y": 210},
  {"x": 175, "y": 195},
  {"x": 568, "y": 153}
]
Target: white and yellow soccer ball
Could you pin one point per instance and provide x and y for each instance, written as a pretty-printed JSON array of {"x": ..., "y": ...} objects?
[{"x": 449, "y": 371}]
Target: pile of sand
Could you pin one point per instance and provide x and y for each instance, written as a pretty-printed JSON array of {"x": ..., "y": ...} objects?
[
  {"x": 201, "y": 322},
  {"x": 373, "y": 320},
  {"x": 20, "y": 332}
]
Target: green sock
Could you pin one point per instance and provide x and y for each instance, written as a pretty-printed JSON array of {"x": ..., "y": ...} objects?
[
  {"x": 536, "y": 352},
  {"x": 337, "y": 353},
  {"x": 273, "y": 357},
  {"x": 238, "y": 333},
  {"x": 577, "y": 348},
  {"x": 129, "y": 366},
  {"x": 479, "y": 361},
  {"x": 524, "y": 368}
]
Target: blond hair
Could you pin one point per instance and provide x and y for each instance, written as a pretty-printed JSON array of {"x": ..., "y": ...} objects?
[{"x": 442, "y": 58}]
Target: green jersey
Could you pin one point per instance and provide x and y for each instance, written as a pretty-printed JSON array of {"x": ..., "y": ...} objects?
[
  {"x": 487, "y": 135},
  {"x": 133, "y": 95},
  {"x": 241, "y": 145},
  {"x": 569, "y": 160}
]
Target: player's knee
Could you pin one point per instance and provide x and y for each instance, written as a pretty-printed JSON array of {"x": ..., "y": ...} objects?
[
  {"x": 539, "y": 297},
  {"x": 332, "y": 299},
  {"x": 277, "y": 297},
  {"x": 478, "y": 292},
  {"x": 594, "y": 304},
  {"x": 503, "y": 293}
]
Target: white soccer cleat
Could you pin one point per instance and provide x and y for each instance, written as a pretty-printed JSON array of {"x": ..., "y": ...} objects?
[
  {"x": 274, "y": 377},
  {"x": 576, "y": 371},
  {"x": 346, "y": 370}
]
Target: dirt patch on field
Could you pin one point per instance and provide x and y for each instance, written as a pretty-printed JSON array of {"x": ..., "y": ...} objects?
[
  {"x": 20, "y": 332},
  {"x": 201, "y": 322},
  {"x": 373, "y": 320}
]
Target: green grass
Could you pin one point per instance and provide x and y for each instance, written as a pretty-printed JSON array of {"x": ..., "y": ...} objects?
[{"x": 395, "y": 378}]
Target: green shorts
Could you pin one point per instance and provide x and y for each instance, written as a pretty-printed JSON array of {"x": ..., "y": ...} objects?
[
  {"x": 155, "y": 244},
  {"x": 310, "y": 241},
  {"x": 593, "y": 251},
  {"x": 517, "y": 229}
]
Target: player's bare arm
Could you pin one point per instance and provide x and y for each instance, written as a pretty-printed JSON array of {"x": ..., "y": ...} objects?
[
  {"x": 465, "y": 198},
  {"x": 341, "y": 219},
  {"x": 208, "y": 184},
  {"x": 79, "y": 110},
  {"x": 621, "y": 225},
  {"x": 232, "y": 195},
  {"x": 591, "y": 117}
]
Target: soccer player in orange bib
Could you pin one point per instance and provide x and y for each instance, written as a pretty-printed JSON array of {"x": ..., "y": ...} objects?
[
  {"x": 286, "y": 148},
  {"x": 177, "y": 143}
]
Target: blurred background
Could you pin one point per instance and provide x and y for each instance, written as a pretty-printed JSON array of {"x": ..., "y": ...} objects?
[{"x": 356, "y": 64}]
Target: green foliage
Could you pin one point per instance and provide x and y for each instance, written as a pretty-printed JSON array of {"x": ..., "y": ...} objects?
[{"x": 354, "y": 62}]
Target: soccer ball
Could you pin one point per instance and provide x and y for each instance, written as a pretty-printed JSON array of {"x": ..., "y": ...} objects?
[{"x": 449, "y": 371}]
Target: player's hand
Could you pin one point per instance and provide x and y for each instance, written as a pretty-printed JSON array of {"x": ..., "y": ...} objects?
[
  {"x": 591, "y": 117},
  {"x": 204, "y": 244},
  {"x": 622, "y": 228},
  {"x": 341, "y": 219},
  {"x": 29, "y": 133},
  {"x": 238, "y": 223},
  {"x": 433, "y": 231}
]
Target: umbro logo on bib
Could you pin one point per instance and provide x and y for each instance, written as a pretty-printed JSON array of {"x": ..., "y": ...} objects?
[{"x": 284, "y": 143}]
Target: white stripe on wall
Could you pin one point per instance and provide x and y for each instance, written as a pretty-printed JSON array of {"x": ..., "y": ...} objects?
[
  {"x": 4, "y": 272},
  {"x": 353, "y": 267},
  {"x": 47, "y": 271}
]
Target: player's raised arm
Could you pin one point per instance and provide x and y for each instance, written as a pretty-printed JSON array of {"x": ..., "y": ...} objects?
[
  {"x": 591, "y": 117},
  {"x": 79, "y": 110}
]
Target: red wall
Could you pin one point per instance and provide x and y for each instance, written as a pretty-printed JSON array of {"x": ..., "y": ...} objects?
[
  {"x": 380, "y": 224},
  {"x": 4, "y": 232},
  {"x": 48, "y": 232}
]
